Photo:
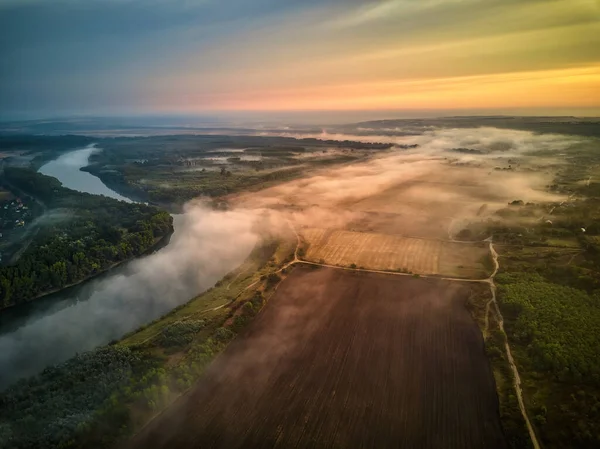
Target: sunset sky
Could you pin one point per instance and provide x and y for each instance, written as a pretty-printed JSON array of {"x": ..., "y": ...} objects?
[{"x": 188, "y": 56}]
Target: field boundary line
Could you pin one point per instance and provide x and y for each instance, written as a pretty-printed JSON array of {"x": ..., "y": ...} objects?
[
  {"x": 393, "y": 273},
  {"x": 489, "y": 281}
]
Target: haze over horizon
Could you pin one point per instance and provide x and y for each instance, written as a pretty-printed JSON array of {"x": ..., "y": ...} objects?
[{"x": 419, "y": 58}]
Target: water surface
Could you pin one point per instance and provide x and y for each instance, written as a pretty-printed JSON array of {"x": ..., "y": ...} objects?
[
  {"x": 51, "y": 330},
  {"x": 67, "y": 170}
]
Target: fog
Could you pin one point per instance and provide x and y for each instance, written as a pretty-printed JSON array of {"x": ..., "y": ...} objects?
[
  {"x": 423, "y": 186},
  {"x": 420, "y": 192},
  {"x": 439, "y": 139},
  {"x": 207, "y": 245}
]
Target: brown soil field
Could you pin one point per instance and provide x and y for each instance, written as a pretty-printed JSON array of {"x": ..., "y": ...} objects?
[
  {"x": 418, "y": 209},
  {"x": 392, "y": 253},
  {"x": 341, "y": 359},
  {"x": 405, "y": 221}
]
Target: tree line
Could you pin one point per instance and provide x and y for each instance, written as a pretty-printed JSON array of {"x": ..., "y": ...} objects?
[{"x": 80, "y": 236}]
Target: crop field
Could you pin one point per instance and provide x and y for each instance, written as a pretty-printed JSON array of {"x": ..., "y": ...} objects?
[
  {"x": 423, "y": 207},
  {"x": 395, "y": 253},
  {"x": 405, "y": 220},
  {"x": 344, "y": 359}
]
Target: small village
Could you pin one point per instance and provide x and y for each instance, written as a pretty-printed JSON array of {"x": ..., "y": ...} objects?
[{"x": 15, "y": 215}]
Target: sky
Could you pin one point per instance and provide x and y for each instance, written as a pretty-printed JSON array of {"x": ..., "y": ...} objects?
[{"x": 202, "y": 56}]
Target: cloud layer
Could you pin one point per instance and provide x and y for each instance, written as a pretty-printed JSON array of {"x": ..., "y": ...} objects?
[{"x": 200, "y": 55}]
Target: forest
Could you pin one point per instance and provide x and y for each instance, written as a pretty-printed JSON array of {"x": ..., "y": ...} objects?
[
  {"x": 557, "y": 324},
  {"x": 554, "y": 329},
  {"x": 101, "y": 396},
  {"x": 79, "y": 236},
  {"x": 87, "y": 401}
]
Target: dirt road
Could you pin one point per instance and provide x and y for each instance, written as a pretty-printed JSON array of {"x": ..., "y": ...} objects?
[{"x": 511, "y": 360}]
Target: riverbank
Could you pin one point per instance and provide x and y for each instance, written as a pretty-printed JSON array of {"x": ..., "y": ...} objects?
[
  {"x": 103, "y": 308},
  {"x": 68, "y": 169},
  {"x": 113, "y": 181},
  {"x": 79, "y": 236},
  {"x": 133, "y": 379},
  {"x": 158, "y": 243}
]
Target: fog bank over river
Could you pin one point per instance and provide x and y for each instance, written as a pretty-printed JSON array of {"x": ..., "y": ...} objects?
[{"x": 206, "y": 245}]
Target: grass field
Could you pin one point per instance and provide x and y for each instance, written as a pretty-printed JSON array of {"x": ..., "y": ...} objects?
[
  {"x": 396, "y": 253},
  {"x": 342, "y": 359}
]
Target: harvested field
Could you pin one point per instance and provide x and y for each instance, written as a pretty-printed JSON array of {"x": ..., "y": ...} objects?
[
  {"x": 349, "y": 360},
  {"x": 407, "y": 222},
  {"x": 424, "y": 207},
  {"x": 395, "y": 253}
]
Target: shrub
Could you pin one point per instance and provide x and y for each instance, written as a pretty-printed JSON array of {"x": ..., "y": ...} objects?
[
  {"x": 248, "y": 309},
  {"x": 273, "y": 279},
  {"x": 180, "y": 333},
  {"x": 223, "y": 334}
]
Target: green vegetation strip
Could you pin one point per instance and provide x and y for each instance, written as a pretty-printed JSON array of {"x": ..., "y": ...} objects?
[
  {"x": 102, "y": 396},
  {"x": 513, "y": 423}
]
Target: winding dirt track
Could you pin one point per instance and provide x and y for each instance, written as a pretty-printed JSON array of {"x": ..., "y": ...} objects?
[{"x": 511, "y": 360}]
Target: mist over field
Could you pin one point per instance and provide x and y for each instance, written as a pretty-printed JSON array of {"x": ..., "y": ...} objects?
[
  {"x": 300, "y": 223},
  {"x": 463, "y": 167},
  {"x": 424, "y": 185},
  {"x": 488, "y": 139}
]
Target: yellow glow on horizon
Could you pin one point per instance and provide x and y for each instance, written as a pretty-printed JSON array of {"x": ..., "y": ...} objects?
[
  {"x": 563, "y": 88},
  {"x": 395, "y": 54}
]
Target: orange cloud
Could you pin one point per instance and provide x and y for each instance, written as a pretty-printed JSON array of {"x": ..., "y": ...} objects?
[{"x": 574, "y": 87}]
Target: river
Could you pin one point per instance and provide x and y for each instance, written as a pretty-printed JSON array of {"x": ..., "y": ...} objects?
[
  {"x": 66, "y": 169},
  {"x": 52, "y": 329}
]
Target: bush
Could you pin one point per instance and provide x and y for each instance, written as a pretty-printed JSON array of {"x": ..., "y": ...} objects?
[
  {"x": 180, "y": 334},
  {"x": 240, "y": 321},
  {"x": 248, "y": 309},
  {"x": 273, "y": 279},
  {"x": 222, "y": 334}
]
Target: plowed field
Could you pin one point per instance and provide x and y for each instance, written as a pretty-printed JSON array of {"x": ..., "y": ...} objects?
[
  {"x": 343, "y": 359},
  {"x": 392, "y": 253}
]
